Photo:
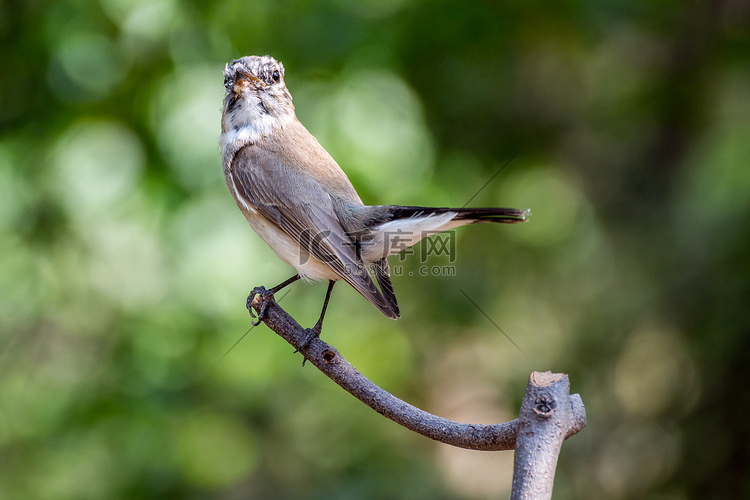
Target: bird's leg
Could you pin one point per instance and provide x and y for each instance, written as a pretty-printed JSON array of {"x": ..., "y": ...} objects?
[
  {"x": 266, "y": 298},
  {"x": 315, "y": 330}
]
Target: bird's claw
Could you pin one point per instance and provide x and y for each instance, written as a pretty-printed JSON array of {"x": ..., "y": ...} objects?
[
  {"x": 266, "y": 298},
  {"x": 312, "y": 333}
]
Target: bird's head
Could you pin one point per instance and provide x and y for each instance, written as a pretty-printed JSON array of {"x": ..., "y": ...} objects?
[{"x": 255, "y": 93}]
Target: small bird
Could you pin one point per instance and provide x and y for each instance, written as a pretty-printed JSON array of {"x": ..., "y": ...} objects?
[{"x": 300, "y": 202}]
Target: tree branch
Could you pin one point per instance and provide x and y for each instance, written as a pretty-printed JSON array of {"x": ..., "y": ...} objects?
[
  {"x": 543, "y": 425},
  {"x": 328, "y": 360}
]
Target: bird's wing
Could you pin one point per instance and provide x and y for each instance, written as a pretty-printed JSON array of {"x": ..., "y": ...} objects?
[
  {"x": 301, "y": 208},
  {"x": 383, "y": 275}
]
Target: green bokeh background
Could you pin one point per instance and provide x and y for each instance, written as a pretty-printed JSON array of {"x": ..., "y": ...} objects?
[{"x": 124, "y": 263}]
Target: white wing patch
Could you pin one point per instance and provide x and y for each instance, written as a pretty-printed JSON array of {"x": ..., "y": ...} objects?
[{"x": 394, "y": 236}]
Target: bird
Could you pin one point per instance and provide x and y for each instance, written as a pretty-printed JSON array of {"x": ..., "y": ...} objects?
[{"x": 301, "y": 203}]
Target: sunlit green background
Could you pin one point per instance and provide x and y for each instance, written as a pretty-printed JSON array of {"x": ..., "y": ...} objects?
[{"x": 124, "y": 262}]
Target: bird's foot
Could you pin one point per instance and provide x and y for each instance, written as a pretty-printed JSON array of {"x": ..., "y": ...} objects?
[
  {"x": 312, "y": 333},
  {"x": 266, "y": 297}
]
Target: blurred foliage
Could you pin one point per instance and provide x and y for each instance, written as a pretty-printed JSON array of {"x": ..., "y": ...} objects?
[{"x": 125, "y": 263}]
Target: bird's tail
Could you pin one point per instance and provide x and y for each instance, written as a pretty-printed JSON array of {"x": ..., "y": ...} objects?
[
  {"x": 399, "y": 227},
  {"x": 465, "y": 215}
]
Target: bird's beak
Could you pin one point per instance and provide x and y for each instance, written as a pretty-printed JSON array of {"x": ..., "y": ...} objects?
[{"x": 243, "y": 76}]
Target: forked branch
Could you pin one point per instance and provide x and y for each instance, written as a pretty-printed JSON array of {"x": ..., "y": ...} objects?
[{"x": 570, "y": 415}]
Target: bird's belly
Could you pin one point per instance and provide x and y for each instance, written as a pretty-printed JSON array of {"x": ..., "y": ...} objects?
[{"x": 289, "y": 250}]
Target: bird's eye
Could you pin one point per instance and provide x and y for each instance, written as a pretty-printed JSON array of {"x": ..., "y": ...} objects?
[{"x": 276, "y": 75}]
